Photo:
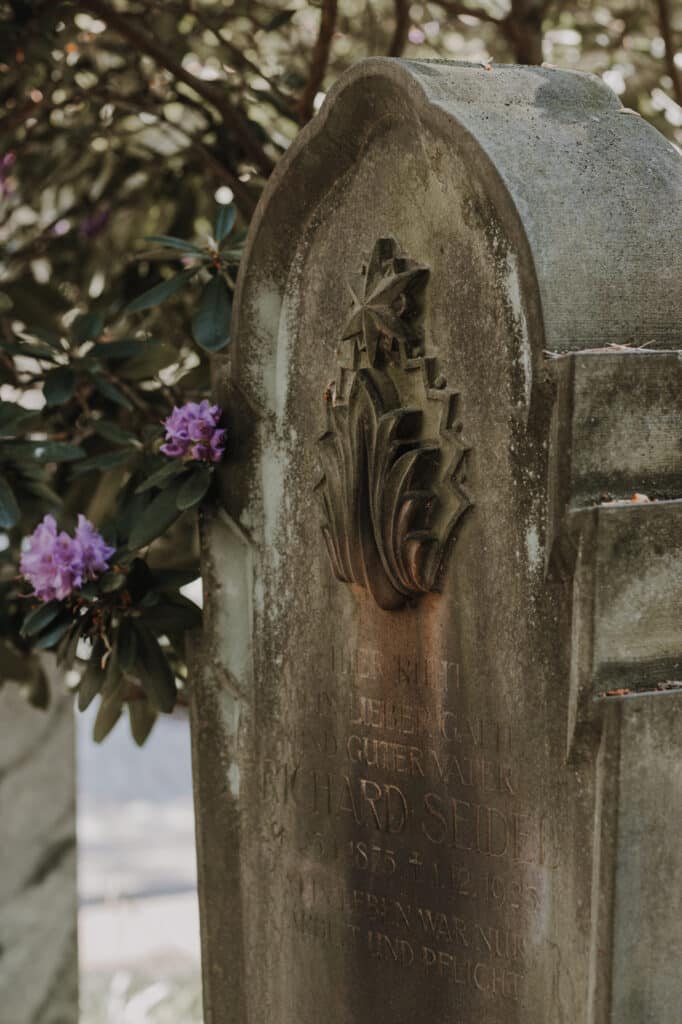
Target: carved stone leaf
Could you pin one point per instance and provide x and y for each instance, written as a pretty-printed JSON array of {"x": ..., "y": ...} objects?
[
  {"x": 388, "y": 300},
  {"x": 392, "y": 490}
]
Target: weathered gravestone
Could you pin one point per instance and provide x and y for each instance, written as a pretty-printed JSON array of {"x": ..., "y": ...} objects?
[
  {"x": 437, "y": 730},
  {"x": 38, "y": 899}
]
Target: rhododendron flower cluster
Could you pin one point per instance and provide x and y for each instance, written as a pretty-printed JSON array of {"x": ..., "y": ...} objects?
[
  {"x": 192, "y": 432},
  {"x": 56, "y": 564}
]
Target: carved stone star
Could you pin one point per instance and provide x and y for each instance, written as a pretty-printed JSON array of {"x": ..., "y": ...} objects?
[{"x": 383, "y": 313}]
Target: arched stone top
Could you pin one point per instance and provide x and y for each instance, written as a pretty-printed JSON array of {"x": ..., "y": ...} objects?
[{"x": 588, "y": 191}]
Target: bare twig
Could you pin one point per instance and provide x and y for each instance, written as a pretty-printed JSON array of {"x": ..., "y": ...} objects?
[
  {"x": 246, "y": 201},
  {"x": 521, "y": 27},
  {"x": 665, "y": 22},
  {"x": 319, "y": 59},
  {"x": 281, "y": 101},
  {"x": 131, "y": 29},
  {"x": 402, "y": 27},
  {"x": 480, "y": 13}
]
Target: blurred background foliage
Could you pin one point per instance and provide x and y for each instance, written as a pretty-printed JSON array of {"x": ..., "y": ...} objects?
[{"x": 122, "y": 119}]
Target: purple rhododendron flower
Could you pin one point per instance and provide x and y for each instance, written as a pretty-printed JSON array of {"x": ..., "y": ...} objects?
[
  {"x": 95, "y": 553},
  {"x": 56, "y": 564},
  {"x": 192, "y": 432},
  {"x": 51, "y": 562}
]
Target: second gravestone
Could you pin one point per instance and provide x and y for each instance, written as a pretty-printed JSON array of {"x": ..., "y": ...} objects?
[{"x": 437, "y": 729}]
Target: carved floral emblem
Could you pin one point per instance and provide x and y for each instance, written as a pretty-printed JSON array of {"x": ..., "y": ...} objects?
[{"x": 393, "y": 455}]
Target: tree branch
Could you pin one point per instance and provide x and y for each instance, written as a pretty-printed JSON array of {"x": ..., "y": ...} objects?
[
  {"x": 523, "y": 29},
  {"x": 318, "y": 60},
  {"x": 665, "y": 22},
  {"x": 458, "y": 9},
  {"x": 130, "y": 28},
  {"x": 402, "y": 27},
  {"x": 244, "y": 198}
]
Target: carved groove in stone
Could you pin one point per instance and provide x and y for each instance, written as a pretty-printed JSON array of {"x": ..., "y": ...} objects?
[{"x": 392, "y": 454}]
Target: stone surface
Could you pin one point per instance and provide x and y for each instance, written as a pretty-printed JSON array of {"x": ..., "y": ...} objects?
[
  {"x": 38, "y": 900},
  {"x": 418, "y": 796}
]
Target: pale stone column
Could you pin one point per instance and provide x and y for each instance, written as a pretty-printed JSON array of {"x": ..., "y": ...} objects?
[{"x": 38, "y": 898}]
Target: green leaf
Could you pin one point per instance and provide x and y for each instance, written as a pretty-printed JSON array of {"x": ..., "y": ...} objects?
[
  {"x": 40, "y": 617},
  {"x": 107, "y": 460},
  {"x": 57, "y": 451},
  {"x": 9, "y": 509},
  {"x": 224, "y": 222},
  {"x": 19, "y": 451},
  {"x": 12, "y": 416},
  {"x": 170, "y": 616},
  {"x": 112, "y": 581},
  {"x": 173, "y": 579},
  {"x": 110, "y": 391},
  {"x": 32, "y": 349},
  {"x": 142, "y": 717},
  {"x": 160, "y": 513},
  {"x": 107, "y": 717},
  {"x": 156, "y": 675},
  {"x": 66, "y": 649},
  {"x": 232, "y": 256},
  {"x": 174, "y": 243},
  {"x": 53, "y": 635},
  {"x": 160, "y": 292},
  {"x": 280, "y": 19},
  {"x": 43, "y": 492},
  {"x": 127, "y": 646},
  {"x": 139, "y": 579},
  {"x": 5, "y": 302},
  {"x": 59, "y": 385},
  {"x": 211, "y": 323},
  {"x": 196, "y": 379},
  {"x": 49, "y": 337},
  {"x": 87, "y": 327},
  {"x": 39, "y": 305},
  {"x": 124, "y": 349},
  {"x": 91, "y": 681},
  {"x": 194, "y": 487},
  {"x": 159, "y": 477},
  {"x": 112, "y": 673},
  {"x": 147, "y": 364},
  {"x": 112, "y": 432}
]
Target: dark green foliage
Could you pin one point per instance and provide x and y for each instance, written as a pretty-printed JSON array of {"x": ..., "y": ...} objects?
[
  {"x": 159, "y": 514},
  {"x": 9, "y": 509},
  {"x": 160, "y": 292},
  {"x": 59, "y": 385},
  {"x": 224, "y": 222},
  {"x": 118, "y": 270},
  {"x": 142, "y": 717},
  {"x": 156, "y": 675},
  {"x": 40, "y": 617},
  {"x": 211, "y": 323},
  {"x": 91, "y": 682},
  {"x": 194, "y": 487}
]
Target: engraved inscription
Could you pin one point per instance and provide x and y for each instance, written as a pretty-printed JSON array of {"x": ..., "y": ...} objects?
[{"x": 412, "y": 840}]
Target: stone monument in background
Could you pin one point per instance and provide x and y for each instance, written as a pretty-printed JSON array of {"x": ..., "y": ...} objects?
[
  {"x": 437, "y": 731},
  {"x": 38, "y": 897}
]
